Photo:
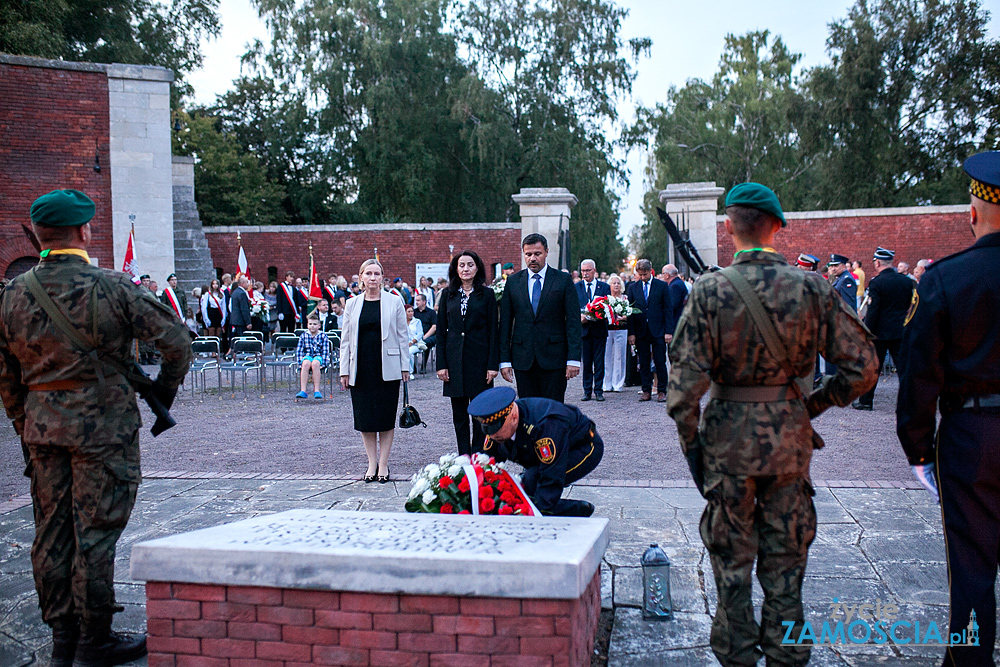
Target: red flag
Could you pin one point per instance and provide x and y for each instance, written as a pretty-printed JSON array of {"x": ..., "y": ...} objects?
[
  {"x": 315, "y": 289},
  {"x": 129, "y": 266}
]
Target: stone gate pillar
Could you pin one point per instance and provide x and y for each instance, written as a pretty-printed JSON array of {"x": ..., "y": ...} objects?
[
  {"x": 544, "y": 211},
  {"x": 698, "y": 202}
]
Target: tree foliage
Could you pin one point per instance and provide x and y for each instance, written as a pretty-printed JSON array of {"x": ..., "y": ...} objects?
[
  {"x": 911, "y": 89},
  {"x": 231, "y": 187},
  {"x": 140, "y": 32}
]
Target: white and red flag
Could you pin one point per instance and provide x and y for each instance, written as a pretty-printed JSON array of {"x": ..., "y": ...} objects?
[
  {"x": 129, "y": 266},
  {"x": 242, "y": 266}
]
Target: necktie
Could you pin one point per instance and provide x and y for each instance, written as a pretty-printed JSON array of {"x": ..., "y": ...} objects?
[
  {"x": 536, "y": 293},
  {"x": 645, "y": 290},
  {"x": 590, "y": 291}
]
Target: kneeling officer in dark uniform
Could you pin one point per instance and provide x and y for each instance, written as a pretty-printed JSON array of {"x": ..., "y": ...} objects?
[{"x": 556, "y": 443}]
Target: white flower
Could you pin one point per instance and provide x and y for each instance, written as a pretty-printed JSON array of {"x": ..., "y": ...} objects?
[
  {"x": 432, "y": 470},
  {"x": 463, "y": 460},
  {"x": 428, "y": 497},
  {"x": 454, "y": 471},
  {"x": 480, "y": 459},
  {"x": 420, "y": 486},
  {"x": 446, "y": 459}
]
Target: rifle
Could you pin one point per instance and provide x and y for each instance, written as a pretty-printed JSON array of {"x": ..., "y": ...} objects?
[
  {"x": 142, "y": 383},
  {"x": 684, "y": 246}
]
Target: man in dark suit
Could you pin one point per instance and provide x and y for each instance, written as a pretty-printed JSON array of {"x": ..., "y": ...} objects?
[
  {"x": 539, "y": 326},
  {"x": 595, "y": 333},
  {"x": 327, "y": 320},
  {"x": 889, "y": 297},
  {"x": 678, "y": 294},
  {"x": 241, "y": 307},
  {"x": 648, "y": 330}
]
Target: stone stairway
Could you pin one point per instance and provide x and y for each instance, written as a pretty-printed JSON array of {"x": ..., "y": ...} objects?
[{"x": 192, "y": 256}]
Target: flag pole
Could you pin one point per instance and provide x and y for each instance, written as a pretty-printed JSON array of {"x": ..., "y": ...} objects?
[{"x": 135, "y": 341}]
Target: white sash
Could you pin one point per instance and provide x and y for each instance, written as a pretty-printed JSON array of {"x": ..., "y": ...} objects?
[{"x": 173, "y": 301}]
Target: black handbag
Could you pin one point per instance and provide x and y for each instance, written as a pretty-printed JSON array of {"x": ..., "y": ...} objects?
[{"x": 409, "y": 417}]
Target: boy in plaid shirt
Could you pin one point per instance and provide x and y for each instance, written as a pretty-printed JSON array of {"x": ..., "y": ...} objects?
[{"x": 312, "y": 354}]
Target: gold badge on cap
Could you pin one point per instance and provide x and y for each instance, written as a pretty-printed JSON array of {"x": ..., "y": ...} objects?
[{"x": 546, "y": 450}]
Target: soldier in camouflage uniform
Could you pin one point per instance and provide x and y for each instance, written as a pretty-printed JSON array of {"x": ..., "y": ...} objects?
[
  {"x": 78, "y": 421},
  {"x": 754, "y": 442}
]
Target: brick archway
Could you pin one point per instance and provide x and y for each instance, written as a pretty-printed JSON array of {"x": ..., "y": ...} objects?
[{"x": 12, "y": 249}]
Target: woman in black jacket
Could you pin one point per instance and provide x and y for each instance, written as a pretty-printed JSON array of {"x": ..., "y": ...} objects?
[{"x": 468, "y": 356}]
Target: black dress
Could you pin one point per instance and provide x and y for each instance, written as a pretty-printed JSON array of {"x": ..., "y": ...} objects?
[{"x": 374, "y": 400}]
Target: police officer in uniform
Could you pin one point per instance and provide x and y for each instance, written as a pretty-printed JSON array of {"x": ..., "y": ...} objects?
[
  {"x": 844, "y": 283},
  {"x": 751, "y": 332},
  {"x": 807, "y": 262},
  {"x": 556, "y": 443},
  {"x": 76, "y": 414},
  {"x": 890, "y": 294},
  {"x": 951, "y": 360}
]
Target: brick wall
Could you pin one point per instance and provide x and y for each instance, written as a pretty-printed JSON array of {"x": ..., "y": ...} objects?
[
  {"x": 52, "y": 121},
  {"x": 400, "y": 248},
  {"x": 238, "y": 626},
  {"x": 913, "y": 233}
]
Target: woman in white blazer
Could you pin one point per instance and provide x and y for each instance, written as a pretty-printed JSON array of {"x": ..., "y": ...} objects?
[{"x": 374, "y": 346}]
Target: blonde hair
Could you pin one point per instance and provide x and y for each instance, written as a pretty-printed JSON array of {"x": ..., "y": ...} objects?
[{"x": 368, "y": 262}]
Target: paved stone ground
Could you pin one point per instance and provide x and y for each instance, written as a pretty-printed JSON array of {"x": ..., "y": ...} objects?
[
  {"x": 873, "y": 544},
  {"x": 274, "y": 434}
]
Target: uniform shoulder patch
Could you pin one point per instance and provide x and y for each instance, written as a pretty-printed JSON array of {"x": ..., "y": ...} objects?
[
  {"x": 545, "y": 448},
  {"x": 528, "y": 428}
]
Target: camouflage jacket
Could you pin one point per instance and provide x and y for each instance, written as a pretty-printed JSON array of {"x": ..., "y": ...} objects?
[
  {"x": 33, "y": 351},
  {"x": 717, "y": 340}
]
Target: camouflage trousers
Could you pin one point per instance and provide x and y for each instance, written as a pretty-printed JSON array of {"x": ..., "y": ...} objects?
[
  {"x": 82, "y": 497},
  {"x": 771, "y": 519}
]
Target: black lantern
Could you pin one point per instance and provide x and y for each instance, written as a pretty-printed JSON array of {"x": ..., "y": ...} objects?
[{"x": 656, "y": 603}]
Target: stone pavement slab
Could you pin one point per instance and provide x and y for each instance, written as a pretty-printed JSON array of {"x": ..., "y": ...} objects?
[{"x": 872, "y": 543}]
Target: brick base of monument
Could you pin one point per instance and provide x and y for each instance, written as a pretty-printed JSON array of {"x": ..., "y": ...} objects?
[{"x": 198, "y": 625}]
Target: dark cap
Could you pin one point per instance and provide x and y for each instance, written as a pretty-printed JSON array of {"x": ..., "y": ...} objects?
[
  {"x": 172, "y": 275},
  {"x": 836, "y": 259},
  {"x": 884, "y": 254},
  {"x": 808, "y": 261},
  {"x": 491, "y": 408},
  {"x": 508, "y": 265},
  {"x": 984, "y": 169},
  {"x": 144, "y": 276},
  {"x": 62, "y": 208},
  {"x": 756, "y": 196}
]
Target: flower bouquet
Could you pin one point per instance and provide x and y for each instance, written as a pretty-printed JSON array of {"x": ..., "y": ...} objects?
[
  {"x": 598, "y": 310},
  {"x": 258, "y": 306},
  {"x": 620, "y": 309},
  {"x": 468, "y": 485},
  {"x": 498, "y": 286}
]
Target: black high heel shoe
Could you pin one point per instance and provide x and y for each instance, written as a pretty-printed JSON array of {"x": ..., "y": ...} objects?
[
  {"x": 382, "y": 479},
  {"x": 371, "y": 478}
]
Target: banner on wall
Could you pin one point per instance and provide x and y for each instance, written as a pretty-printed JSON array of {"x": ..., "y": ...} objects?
[{"x": 432, "y": 271}]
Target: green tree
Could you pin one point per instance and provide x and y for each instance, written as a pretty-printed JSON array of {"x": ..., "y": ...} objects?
[
  {"x": 911, "y": 90},
  {"x": 230, "y": 185},
  {"x": 138, "y": 32},
  {"x": 741, "y": 126}
]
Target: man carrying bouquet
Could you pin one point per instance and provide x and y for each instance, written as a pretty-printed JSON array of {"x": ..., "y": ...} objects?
[
  {"x": 594, "y": 326},
  {"x": 556, "y": 443}
]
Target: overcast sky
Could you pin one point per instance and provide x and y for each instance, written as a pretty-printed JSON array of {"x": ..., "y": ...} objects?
[{"x": 687, "y": 41}]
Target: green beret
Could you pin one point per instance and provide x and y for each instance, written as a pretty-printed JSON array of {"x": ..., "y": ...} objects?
[
  {"x": 508, "y": 265},
  {"x": 756, "y": 196},
  {"x": 62, "y": 208}
]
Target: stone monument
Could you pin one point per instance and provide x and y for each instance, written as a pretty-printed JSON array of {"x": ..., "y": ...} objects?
[
  {"x": 546, "y": 211},
  {"x": 697, "y": 203}
]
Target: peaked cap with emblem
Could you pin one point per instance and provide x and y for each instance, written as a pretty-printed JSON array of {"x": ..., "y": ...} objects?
[
  {"x": 884, "y": 254},
  {"x": 490, "y": 408},
  {"x": 836, "y": 259},
  {"x": 984, "y": 170},
  {"x": 62, "y": 208}
]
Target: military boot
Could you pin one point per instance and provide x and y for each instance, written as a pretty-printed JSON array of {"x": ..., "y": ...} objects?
[
  {"x": 65, "y": 634},
  {"x": 100, "y": 646}
]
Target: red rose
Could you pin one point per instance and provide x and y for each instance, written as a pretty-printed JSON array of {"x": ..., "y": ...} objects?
[
  {"x": 508, "y": 498},
  {"x": 447, "y": 509},
  {"x": 465, "y": 512},
  {"x": 486, "y": 505},
  {"x": 489, "y": 476},
  {"x": 522, "y": 509},
  {"x": 506, "y": 510},
  {"x": 463, "y": 486},
  {"x": 486, "y": 491},
  {"x": 444, "y": 482}
]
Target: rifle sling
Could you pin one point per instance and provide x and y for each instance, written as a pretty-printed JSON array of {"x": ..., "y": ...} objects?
[
  {"x": 764, "y": 325},
  {"x": 64, "y": 325}
]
